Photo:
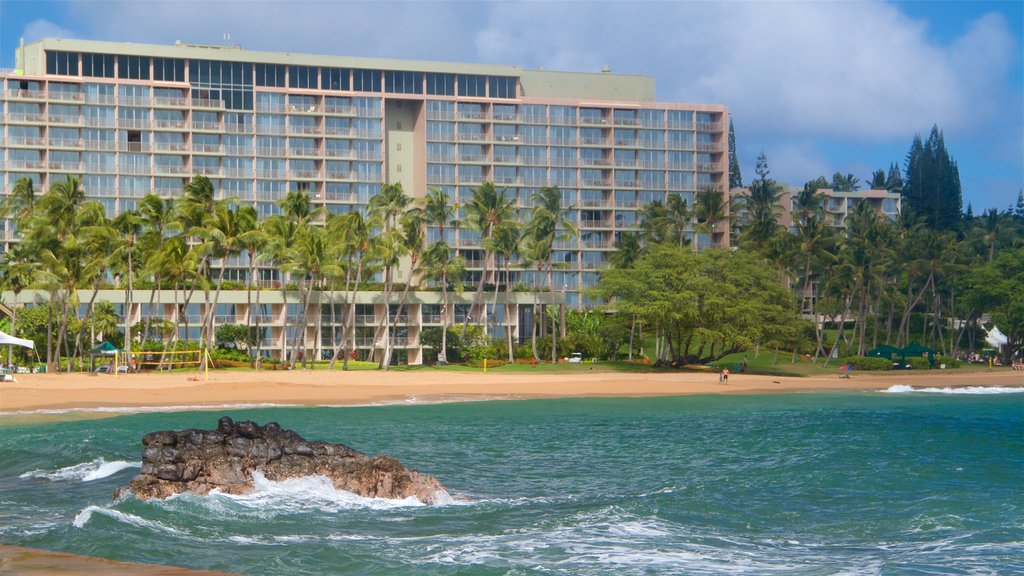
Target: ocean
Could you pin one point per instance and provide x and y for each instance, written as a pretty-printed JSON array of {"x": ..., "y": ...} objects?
[{"x": 894, "y": 482}]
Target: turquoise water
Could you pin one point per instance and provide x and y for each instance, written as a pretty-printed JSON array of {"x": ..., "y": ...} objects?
[{"x": 845, "y": 483}]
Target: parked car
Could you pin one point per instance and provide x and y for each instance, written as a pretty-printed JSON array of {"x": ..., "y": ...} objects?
[{"x": 576, "y": 358}]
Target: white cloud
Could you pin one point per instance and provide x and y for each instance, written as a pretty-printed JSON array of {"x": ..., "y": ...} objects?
[{"x": 39, "y": 29}]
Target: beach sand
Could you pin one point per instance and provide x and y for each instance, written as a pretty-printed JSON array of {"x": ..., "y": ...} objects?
[
  {"x": 186, "y": 390},
  {"x": 17, "y": 561}
]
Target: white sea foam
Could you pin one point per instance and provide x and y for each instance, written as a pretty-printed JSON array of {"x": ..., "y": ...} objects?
[
  {"x": 83, "y": 517},
  {"x": 314, "y": 492},
  {"x": 904, "y": 389},
  {"x": 85, "y": 472}
]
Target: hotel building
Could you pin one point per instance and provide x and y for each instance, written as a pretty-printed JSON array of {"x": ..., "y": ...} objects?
[{"x": 131, "y": 119}]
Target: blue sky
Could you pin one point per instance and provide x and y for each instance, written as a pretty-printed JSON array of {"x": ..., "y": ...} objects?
[{"x": 820, "y": 87}]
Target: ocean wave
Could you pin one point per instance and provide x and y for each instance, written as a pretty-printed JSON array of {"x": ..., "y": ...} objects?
[
  {"x": 318, "y": 492},
  {"x": 83, "y": 517},
  {"x": 904, "y": 389},
  {"x": 85, "y": 472}
]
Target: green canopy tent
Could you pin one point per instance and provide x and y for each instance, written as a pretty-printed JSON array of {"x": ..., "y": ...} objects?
[
  {"x": 885, "y": 351},
  {"x": 104, "y": 349}
]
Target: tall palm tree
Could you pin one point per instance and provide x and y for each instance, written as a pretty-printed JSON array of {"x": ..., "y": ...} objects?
[
  {"x": 129, "y": 225},
  {"x": 439, "y": 265},
  {"x": 386, "y": 208},
  {"x": 157, "y": 215},
  {"x": 18, "y": 270},
  {"x": 709, "y": 208},
  {"x": 351, "y": 238},
  {"x": 19, "y": 204},
  {"x": 505, "y": 243},
  {"x": 224, "y": 228},
  {"x": 413, "y": 240},
  {"x": 549, "y": 222},
  {"x": 251, "y": 240},
  {"x": 487, "y": 208},
  {"x": 438, "y": 212},
  {"x": 678, "y": 217}
]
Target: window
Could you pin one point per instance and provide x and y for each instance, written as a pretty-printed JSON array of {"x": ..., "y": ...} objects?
[
  {"x": 63, "y": 63},
  {"x": 472, "y": 85},
  {"x": 169, "y": 69},
  {"x": 503, "y": 87},
  {"x": 133, "y": 67},
  {"x": 335, "y": 78},
  {"x": 98, "y": 65},
  {"x": 403, "y": 82},
  {"x": 302, "y": 77},
  {"x": 441, "y": 84},
  {"x": 270, "y": 75},
  {"x": 366, "y": 80}
]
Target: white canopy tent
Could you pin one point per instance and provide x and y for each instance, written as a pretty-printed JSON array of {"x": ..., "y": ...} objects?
[{"x": 8, "y": 340}]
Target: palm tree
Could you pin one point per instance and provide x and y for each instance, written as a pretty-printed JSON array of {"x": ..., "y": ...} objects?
[
  {"x": 157, "y": 215},
  {"x": 129, "y": 225},
  {"x": 763, "y": 204},
  {"x": 505, "y": 242},
  {"x": 413, "y": 240},
  {"x": 654, "y": 223},
  {"x": 438, "y": 212},
  {"x": 224, "y": 228},
  {"x": 486, "y": 209},
  {"x": 251, "y": 240},
  {"x": 709, "y": 208},
  {"x": 19, "y": 204},
  {"x": 386, "y": 208},
  {"x": 18, "y": 270},
  {"x": 549, "y": 222},
  {"x": 439, "y": 265},
  {"x": 677, "y": 217},
  {"x": 352, "y": 241},
  {"x": 307, "y": 258}
]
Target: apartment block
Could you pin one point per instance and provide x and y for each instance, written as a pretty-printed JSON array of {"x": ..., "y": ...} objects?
[{"x": 131, "y": 119}]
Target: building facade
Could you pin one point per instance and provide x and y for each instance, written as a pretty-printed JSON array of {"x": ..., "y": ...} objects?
[{"x": 131, "y": 119}]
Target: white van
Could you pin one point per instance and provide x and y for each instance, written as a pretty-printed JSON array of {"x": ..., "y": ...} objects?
[{"x": 576, "y": 358}]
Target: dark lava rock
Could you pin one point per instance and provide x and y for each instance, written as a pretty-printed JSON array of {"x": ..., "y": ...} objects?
[{"x": 197, "y": 461}]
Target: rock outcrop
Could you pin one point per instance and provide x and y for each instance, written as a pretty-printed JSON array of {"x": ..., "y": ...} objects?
[{"x": 198, "y": 461}]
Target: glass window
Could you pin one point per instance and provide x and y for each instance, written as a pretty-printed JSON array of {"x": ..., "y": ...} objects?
[
  {"x": 335, "y": 78},
  {"x": 302, "y": 77},
  {"x": 169, "y": 69},
  {"x": 98, "y": 65},
  {"x": 270, "y": 75},
  {"x": 470, "y": 85},
  {"x": 403, "y": 82},
  {"x": 62, "y": 63},
  {"x": 503, "y": 87},
  {"x": 366, "y": 80},
  {"x": 133, "y": 67},
  {"x": 441, "y": 84}
]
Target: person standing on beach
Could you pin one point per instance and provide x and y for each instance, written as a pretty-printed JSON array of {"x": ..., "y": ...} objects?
[{"x": 725, "y": 376}]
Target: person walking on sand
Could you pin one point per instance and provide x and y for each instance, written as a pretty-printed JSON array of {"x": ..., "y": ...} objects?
[{"x": 725, "y": 376}]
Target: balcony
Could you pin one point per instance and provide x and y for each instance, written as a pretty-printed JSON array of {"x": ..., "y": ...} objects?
[
  {"x": 165, "y": 102},
  {"x": 305, "y": 129},
  {"x": 165, "y": 169},
  {"x": 472, "y": 137},
  {"x": 26, "y": 118},
  {"x": 207, "y": 170},
  {"x": 66, "y": 120},
  {"x": 134, "y": 169},
  {"x": 26, "y": 95},
  {"x": 238, "y": 150},
  {"x": 709, "y": 126},
  {"x": 170, "y": 147},
  {"x": 710, "y": 147},
  {"x": 305, "y": 109},
  {"x": 593, "y": 141},
  {"x": 235, "y": 128},
  {"x": 170, "y": 124},
  {"x": 98, "y": 122},
  {"x": 38, "y": 141},
  {"x": 206, "y": 148},
  {"x": 66, "y": 166},
  {"x": 134, "y": 101},
  {"x": 339, "y": 110},
  {"x": 305, "y": 152},
  {"x": 273, "y": 152},
  {"x": 208, "y": 104},
  {"x": 533, "y": 118},
  {"x": 207, "y": 126}
]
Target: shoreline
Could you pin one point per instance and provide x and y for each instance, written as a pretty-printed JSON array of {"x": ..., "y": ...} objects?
[{"x": 74, "y": 396}]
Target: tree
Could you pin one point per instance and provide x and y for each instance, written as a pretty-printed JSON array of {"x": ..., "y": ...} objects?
[
  {"x": 763, "y": 204},
  {"x": 932, "y": 184},
  {"x": 894, "y": 180},
  {"x": 710, "y": 207},
  {"x": 549, "y": 222},
  {"x": 705, "y": 305},
  {"x": 505, "y": 243},
  {"x": 847, "y": 183},
  {"x": 438, "y": 212},
  {"x": 808, "y": 202},
  {"x": 735, "y": 178},
  {"x": 386, "y": 208},
  {"x": 487, "y": 208}
]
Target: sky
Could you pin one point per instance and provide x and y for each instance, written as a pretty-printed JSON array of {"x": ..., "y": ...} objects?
[{"x": 818, "y": 86}]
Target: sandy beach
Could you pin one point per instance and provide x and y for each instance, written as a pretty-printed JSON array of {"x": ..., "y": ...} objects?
[{"x": 62, "y": 392}]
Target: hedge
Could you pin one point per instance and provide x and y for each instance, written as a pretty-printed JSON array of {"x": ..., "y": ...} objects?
[{"x": 869, "y": 363}]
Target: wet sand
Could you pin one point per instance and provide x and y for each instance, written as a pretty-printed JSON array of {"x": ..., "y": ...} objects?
[{"x": 17, "y": 561}]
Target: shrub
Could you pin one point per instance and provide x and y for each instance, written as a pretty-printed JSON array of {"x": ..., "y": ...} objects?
[
  {"x": 918, "y": 363},
  {"x": 949, "y": 361},
  {"x": 868, "y": 363}
]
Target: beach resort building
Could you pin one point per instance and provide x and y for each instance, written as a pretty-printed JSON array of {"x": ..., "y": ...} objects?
[{"x": 131, "y": 119}]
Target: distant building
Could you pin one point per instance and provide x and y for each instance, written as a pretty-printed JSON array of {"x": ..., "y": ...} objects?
[
  {"x": 836, "y": 204},
  {"x": 131, "y": 119}
]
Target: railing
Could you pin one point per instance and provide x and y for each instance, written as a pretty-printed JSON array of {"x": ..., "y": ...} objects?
[
  {"x": 305, "y": 152},
  {"x": 435, "y": 115},
  {"x": 707, "y": 168},
  {"x": 504, "y": 159},
  {"x": 24, "y": 94},
  {"x": 626, "y": 122},
  {"x": 677, "y": 145},
  {"x": 533, "y": 118},
  {"x": 264, "y": 107},
  {"x": 238, "y": 150},
  {"x": 334, "y": 109},
  {"x": 170, "y": 147},
  {"x": 133, "y": 123},
  {"x": 680, "y": 125},
  {"x": 204, "y": 103},
  {"x": 595, "y": 162},
  {"x": 365, "y": 319},
  {"x": 170, "y": 102},
  {"x": 472, "y": 137},
  {"x": 339, "y": 153},
  {"x": 171, "y": 169},
  {"x": 134, "y": 169},
  {"x": 134, "y": 101},
  {"x": 505, "y": 138},
  {"x": 207, "y": 170},
  {"x": 237, "y": 172},
  {"x": 680, "y": 165},
  {"x": 30, "y": 141},
  {"x": 710, "y": 147},
  {"x": 102, "y": 169},
  {"x": 595, "y": 183},
  {"x": 595, "y": 224},
  {"x": 207, "y": 126},
  {"x": 335, "y": 131},
  {"x": 709, "y": 126},
  {"x": 26, "y": 118},
  {"x": 176, "y": 124},
  {"x": 267, "y": 151},
  {"x": 236, "y": 128},
  {"x": 334, "y": 175},
  {"x": 206, "y": 148},
  {"x": 66, "y": 166},
  {"x": 305, "y": 130},
  {"x": 269, "y": 129},
  {"x": 62, "y": 119},
  {"x": 27, "y": 164},
  {"x": 304, "y": 109},
  {"x": 274, "y": 174},
  {"x": 431, "y": 319},
  {"x": 472, "y": 158}
]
